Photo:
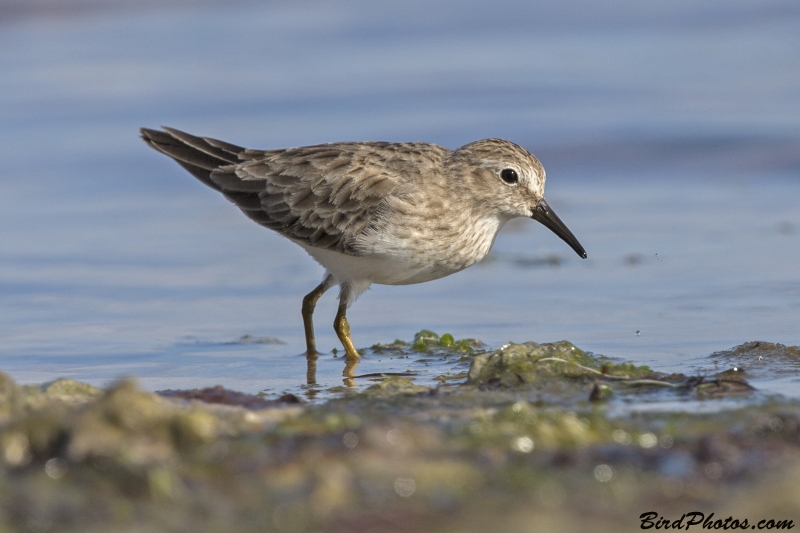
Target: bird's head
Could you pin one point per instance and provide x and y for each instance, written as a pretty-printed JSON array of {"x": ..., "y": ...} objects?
[{"x": 508, "y": 181}]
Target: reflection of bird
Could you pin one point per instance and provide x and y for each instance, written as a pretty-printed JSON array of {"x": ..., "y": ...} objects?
[{"x": 374, "y": 212}]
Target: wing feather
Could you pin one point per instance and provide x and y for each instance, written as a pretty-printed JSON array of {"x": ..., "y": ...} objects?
[
  {"x": 320, "y": 195},
  {"x": 324, "y": 195}
]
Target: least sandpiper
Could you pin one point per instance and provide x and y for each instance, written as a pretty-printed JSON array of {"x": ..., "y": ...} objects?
[{"x": 374, "y": 212}]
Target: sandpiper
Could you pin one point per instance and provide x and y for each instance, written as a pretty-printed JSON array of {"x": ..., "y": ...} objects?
[{"x": 374, "y": 212}]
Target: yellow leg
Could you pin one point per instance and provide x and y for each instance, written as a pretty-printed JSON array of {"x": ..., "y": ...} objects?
[
  {"x": 342, "y": 329},
  {"x": 309, "y": 303}
]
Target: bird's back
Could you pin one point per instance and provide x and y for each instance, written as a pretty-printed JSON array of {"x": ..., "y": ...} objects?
[{"x": 324, "y": 196}]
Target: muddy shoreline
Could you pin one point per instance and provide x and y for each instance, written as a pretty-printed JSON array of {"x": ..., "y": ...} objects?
[{"x": 529, "y": 437}]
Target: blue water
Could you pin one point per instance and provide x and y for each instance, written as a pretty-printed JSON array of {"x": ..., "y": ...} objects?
[{"x": 670, "y": 134}]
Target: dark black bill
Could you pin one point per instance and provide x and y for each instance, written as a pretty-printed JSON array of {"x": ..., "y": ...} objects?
[{"x": 542, "y": 213}]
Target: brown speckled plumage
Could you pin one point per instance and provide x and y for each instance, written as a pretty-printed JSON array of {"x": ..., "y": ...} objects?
[{"x": 374, "y": 212}]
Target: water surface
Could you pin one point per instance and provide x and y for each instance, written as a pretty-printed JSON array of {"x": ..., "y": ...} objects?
[{"x": 670, "y": 134}]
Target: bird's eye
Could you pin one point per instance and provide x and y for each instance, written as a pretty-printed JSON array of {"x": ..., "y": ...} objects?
[{"x": 509, "y": 175}]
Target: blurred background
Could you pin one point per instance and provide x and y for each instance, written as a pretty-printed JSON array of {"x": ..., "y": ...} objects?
[{"x": 670, "y": 133}]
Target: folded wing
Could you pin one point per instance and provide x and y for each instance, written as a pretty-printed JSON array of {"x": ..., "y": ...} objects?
[{"x": 321, "y": 195}]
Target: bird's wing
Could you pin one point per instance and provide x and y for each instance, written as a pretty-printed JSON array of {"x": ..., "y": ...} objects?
[
  {"x": 323, "y": 196},
  {"x": 198, "y": 155}
]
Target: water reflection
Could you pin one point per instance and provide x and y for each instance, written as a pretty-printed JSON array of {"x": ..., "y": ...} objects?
[
  {"x": 350, "y": 365},
  {"x": 349, "y": 372},
  {"x": 311, "y": 368}
]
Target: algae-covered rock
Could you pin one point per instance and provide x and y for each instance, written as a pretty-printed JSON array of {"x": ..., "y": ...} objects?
[
  {"x": 515, "y": 448},
  {"x": 221, "y": 395},
  {"x": 522, "y": 363},
  {"x": 16, "y": 399},
  {"x": 560, "y": 371},
  {"x": 136, "y": 427},
  {"x": 69, "y": 390},
  {"x": 10, "y": 401},
  {"x": 522, "y": 427},
  {"x": 757, "y": 360},
  {"x": 531, "y": 363},
  {"x": 393, "y": 385},
  {"x": 720, "y": 386},
  {"x": 600, "y": 392},
  {"x": 757, "y": 351}
]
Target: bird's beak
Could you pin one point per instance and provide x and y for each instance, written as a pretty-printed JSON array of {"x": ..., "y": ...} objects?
[{"x": 542, "y": 213}]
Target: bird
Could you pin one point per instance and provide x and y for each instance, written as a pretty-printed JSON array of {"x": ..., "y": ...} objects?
[{"x": 374, "y": 212}]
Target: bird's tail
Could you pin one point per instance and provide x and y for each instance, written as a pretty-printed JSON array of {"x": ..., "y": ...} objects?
[{"x": 198, "y": 155}]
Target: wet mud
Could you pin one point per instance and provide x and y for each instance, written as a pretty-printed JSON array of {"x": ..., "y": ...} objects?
[{"x": 529, "y": 437}]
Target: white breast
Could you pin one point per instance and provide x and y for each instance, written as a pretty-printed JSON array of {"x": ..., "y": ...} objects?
[
  {"x": 381, "y": 269},
  {"x": 403, "y": 254}
]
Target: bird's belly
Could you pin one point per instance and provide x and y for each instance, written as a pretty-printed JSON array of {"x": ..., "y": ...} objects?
[
  {"x": 406, "y": 257},
  {"x": 377, "y": 268}
]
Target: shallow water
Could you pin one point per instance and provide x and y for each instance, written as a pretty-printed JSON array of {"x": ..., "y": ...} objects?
[{"x": 670, "y": 135}]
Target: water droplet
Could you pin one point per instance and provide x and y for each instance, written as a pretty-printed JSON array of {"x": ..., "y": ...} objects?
[
  {"x": 647, "y": 440},
  {"x": 523, "y": 444},
  {"x": 603, "y": 473},
  {"x": 621, "y": 436},
  {"x": 776, "y": 424},
  {"x": 55, "y": 468},
  {"x": 404, "y": 487},
  {"x": 393, "y": 436},
  {"x": 350, "y": 440}
]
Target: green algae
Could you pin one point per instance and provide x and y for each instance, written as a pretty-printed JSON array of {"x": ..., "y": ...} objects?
[
  {"x": 427, "y": 341},
  {"x": 395, "y": 385},
  {"x": 16, "y": 399},
  {"x": 10, "y": 397},
  {"x": 560, "y": 371},
  {"x": 751, "y": 352},
  {"x": 512, "y": 444},
  {"x": 533, "y": 363},
  {"x": 70, "y": 390},
  {"x": 757, "y": 360}
]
